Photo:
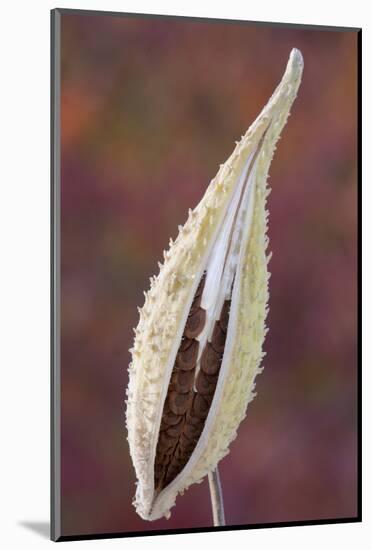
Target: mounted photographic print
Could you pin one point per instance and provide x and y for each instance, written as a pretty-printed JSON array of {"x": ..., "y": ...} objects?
[{"x": 204, "y": 274}]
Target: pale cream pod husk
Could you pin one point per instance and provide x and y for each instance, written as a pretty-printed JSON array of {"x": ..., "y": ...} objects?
[{"x": 167, "y": 304}]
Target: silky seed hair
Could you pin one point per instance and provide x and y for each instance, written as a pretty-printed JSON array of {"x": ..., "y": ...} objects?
[{"x": 198, "y": 343}]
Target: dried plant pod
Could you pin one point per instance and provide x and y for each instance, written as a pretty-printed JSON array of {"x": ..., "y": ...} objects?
[{"x": 198, "y": 344}]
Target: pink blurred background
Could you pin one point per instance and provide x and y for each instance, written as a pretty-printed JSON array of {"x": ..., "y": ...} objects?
[{"x": 150, "y": 108}]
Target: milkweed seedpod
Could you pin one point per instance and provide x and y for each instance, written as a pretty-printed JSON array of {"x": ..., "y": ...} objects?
[{"x": 198, "y": 344}]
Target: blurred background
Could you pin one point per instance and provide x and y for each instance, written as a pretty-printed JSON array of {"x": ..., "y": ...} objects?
[{"x": 150, "y": 108}]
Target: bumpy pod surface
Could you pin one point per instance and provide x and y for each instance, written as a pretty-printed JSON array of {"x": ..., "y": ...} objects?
[{"x": 198, "y": 344}]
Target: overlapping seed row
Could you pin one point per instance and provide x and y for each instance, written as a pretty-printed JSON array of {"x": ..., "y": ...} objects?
[{"x": 185, "y": 410}]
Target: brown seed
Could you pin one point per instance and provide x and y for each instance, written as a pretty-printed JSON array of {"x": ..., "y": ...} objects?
[
  {"x": 184, "y": 380},
  {"x": 195, "y": 304},
  {"x": 185, "y": 343},
  {"x": 209, "y": 397},
  {"x": 187, "y": 442},
  {"x": 210, "y": 360},
  {"x": 195, "y": 323},
  {"x": 178, "y": 454},
  {"x": 192, "y": 417},
  {"x": 163, "y": 459},
  {"x": 168, "y": 417},
  {"x": 172, "y": 472},
  {"x": 186, "y": 360},
  {"x": 165, "y": 441},
  {"x": 192, "y": 431},
  {"x": 224, "y": 316},
  {"x": 175, "y": 431},
  {"x": 163, "y": 462},
  {"x": 200, "y": 406},
  {"x": 201, "y": 285},
  {"x": 158, "y": 469},
  {"x": 205, "y": 384},
  {"x": 172, "y": 379},
  {"x": 178, "y": 402},
  {"x": 218, "y": 338},
  {"x": 183, "y": 453}
]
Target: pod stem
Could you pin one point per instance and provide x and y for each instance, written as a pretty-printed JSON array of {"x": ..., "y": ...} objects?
[{"x": 216, "y": 497}]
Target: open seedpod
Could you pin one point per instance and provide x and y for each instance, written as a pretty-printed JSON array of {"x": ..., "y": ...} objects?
[{"x": 198, "y": 344}]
